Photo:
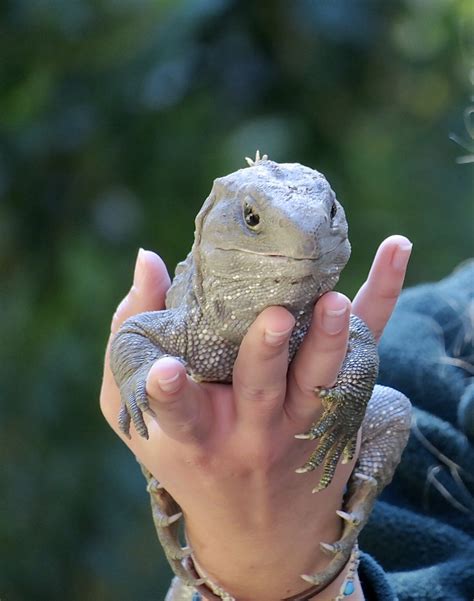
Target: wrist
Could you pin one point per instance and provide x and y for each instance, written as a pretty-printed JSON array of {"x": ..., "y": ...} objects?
[
  {"x": 344, "y": 585},
  {"x": 259, "y": 548},
  {"x": 264, "y": 562}
]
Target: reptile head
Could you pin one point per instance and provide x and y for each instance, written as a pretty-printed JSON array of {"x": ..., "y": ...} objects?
[{"x": 269, "y": 234}]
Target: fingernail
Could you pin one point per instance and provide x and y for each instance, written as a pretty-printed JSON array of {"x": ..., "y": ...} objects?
[
  {"x": 277, "y": 338},
  {"x": 334, "y": 320},
  {"x": 170, "y": 384},
  {"x": 138, "y": 274},
  {"x": 401, "y": 256}
]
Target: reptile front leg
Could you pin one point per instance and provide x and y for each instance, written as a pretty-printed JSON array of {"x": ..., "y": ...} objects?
[
  {"x": 385, "y": 432},
  {"x": 138, "y": 344},
  {"x": 344, "y": 405}
]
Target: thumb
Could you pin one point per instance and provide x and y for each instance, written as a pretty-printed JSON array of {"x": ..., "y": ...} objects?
[{"x": 150, "y": 283}]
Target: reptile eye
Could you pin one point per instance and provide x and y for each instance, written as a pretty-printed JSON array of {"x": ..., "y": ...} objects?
[
  {"x": 252, "y": 218},
  {"x": 333, "y": 210}
]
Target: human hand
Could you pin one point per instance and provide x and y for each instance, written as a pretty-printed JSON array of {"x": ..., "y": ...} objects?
[{"x": 227, "y": 454}]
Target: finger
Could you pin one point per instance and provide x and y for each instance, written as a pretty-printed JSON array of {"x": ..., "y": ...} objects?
[
  {"x": 320, "y": 356},
  {"x": 377, "y": 297},
  {"x": 147, "y": 293},
  {"x": 260, "y": 369},
  {"x": 180, "y": 404}
]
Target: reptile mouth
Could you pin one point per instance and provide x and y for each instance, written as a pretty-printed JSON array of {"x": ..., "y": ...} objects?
[
  {"x": 281, "y": 256},
  {"x": 270, "y": 254}
]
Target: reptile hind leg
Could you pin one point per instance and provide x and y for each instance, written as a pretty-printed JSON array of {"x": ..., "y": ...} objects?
[
  {"x": 385, "y": 432},
  {"x": 166, "y": 514},
  {"x": 358, "y": 510}
]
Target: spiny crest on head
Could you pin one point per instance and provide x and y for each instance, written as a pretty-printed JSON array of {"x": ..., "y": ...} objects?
[{"x": 258, "y": 159}]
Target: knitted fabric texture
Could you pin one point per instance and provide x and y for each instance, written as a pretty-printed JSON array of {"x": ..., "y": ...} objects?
[{"x": 422, "y": 529}]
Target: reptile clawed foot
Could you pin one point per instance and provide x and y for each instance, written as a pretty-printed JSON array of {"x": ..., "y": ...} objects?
[
  {"x": 337, "y": 433},
  {"x": 134, "y": 405},
  {"x": 331, "y": 447}
]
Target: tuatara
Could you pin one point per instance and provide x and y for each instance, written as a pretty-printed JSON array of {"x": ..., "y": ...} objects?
[{"x": 269, "y": 234}]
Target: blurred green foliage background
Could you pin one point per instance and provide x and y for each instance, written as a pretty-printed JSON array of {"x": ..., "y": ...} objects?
[{"x": 115, "y": 117}]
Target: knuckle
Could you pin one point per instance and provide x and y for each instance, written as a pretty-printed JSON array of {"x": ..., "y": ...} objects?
[
  {"x": 267, "y": 395},
  {"x": 389, "y": 292},
  {"x": 303, "y": 384}
]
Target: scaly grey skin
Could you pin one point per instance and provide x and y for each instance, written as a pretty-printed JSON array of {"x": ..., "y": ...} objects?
[{"x": 270, "y": 234}]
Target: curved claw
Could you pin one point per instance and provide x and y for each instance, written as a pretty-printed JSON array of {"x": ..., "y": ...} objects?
[
  {"x": 348, "y": 517},
  {"x": 364, "y": 477},
  {"x": 165, "y": 521},
  {"x": 153, "y": 485},
  {"x": 311, "y": 579},
  {"x": 304, "y": 469},
  {"x": 332, "y": 549},
  {"x": 321, "y": 391},
  {"x": 305, "y": 436}
]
